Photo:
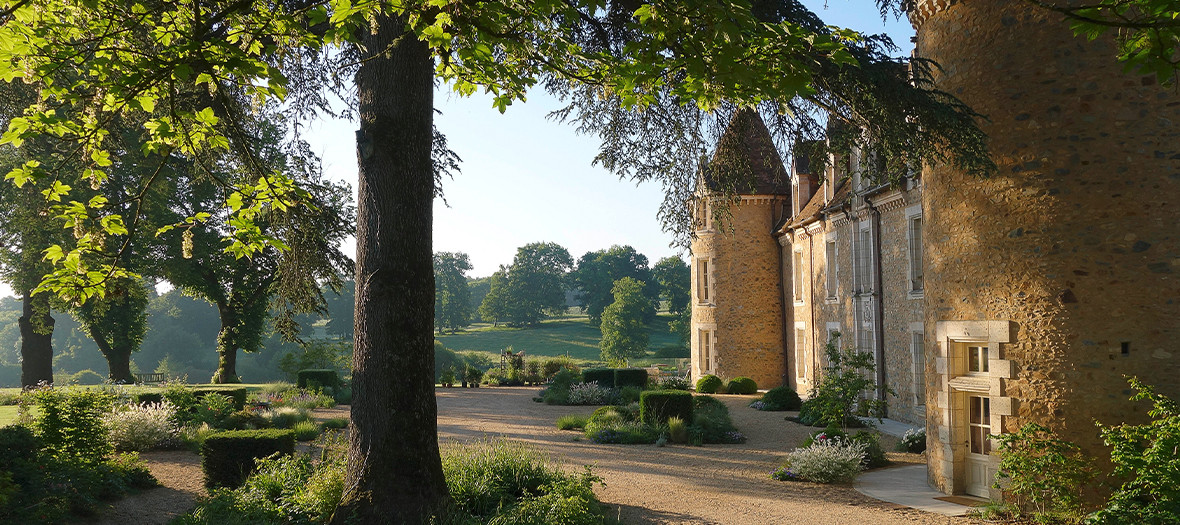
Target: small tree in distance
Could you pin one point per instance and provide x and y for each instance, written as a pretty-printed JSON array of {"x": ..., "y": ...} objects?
[{"x": 624, "y": 335}]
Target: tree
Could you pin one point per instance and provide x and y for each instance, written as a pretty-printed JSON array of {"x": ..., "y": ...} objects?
[
  {"x": 624, "y": 334},
  {"x": 452, "y": 298},
  {"x": 494, "y": 306},
  {"x": 536, "y": 282},
  {"x": 674, "y": 278},
  {"x": 340, "y": 308},
  {"x": 684, "y": 63},
  {"x": 597, "y": 272},
  {"x": 117, "y": 322}
]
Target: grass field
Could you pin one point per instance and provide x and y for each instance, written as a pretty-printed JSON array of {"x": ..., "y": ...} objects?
[
  {"x": 572, "y": 336},
  {"x": 7, "y": 415}
]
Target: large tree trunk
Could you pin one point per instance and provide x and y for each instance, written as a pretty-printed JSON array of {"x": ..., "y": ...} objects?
[
  {"x": 36, "y": 341},
  {"x": 227, "y": 349},
  {"x": 118, "y": 361},
  {"x": 394, "y": 472}
]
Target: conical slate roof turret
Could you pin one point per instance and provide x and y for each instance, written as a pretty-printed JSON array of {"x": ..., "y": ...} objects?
[{"x": 746, "y": 161}]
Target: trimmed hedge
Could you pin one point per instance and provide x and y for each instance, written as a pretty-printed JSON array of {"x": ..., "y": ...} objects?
[
  {"x": 604, "y": 376},
  {"x": 228, "y": 457},
  {"x": 708, "y": 384},
  {"x": 742, "y": 386},
  {"x": 781, "y": 398},
  {"x": 630, "y": 377},
  {"x": 656, "y": 406},
  {"x": 317, "y": 377},
  {"x": 237, "y": 394}
]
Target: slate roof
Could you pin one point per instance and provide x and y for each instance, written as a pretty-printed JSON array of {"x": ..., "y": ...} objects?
[
  {"x": 816, "y": 205},
  {"x": 746, "y": 159}
]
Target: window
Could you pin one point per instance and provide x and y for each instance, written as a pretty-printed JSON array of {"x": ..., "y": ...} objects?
[
  {"x": 703, "y": 292},
  {"x": 918, "y": 348},
  {"x": 800, "y": 352},
  {"x": 702, "y": 216},
  {"x": 863, "y": 269},
  {"x": 705, "y": 340},
  {"x": 797, "y": 267},
  {"x": 831, "y": 278},
  {"x": 980, "y": 425},
  {"x": 977, "y": 360},
  {"x": 915, "y": 239}
]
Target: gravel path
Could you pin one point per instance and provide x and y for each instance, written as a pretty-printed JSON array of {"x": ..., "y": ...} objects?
[{"x": 644, "y": 484}]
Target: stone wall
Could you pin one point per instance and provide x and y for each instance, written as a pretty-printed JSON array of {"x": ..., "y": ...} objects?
[
  {"x": 746, "y": 308},
  {"x": 1072, "y": 247},
  {"x": 903, "y": 309}
]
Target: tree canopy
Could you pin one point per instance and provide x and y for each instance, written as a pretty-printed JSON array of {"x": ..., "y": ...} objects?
[
  {"x": 597, "y": 272},
  {"x": 452, "y": 298},
  {"x": 624, "y": 333},
  {"x": 674, "y": 278}
]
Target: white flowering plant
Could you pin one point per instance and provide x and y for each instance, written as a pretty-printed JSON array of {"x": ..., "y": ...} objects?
[
  {"x": 832, "y": 460},
  {"x": 143, "y": 426},
  {"x": 590, "y": 394}
]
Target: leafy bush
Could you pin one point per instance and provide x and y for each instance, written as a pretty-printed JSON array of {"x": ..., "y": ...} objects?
[
  {"x": 618, "y": 424},
  {"x": 314, "y": 378},
  {"x": 629, "y": 394},
  {"x": 335, "y": 423},
  {"x": 85, "y": 377},
  {"x": 572, "y": 422},
  {"x": 778, "y": 399},
  {"x": 602, "y": 376},
  {"x": 276, "y": 387},
  {"x": 1146, "y": 456},
  {"x": 142, "y": 427},
  {"x": 474, "y": 375},
  {"x": 229, "y": 457},
  {"x": 343, "y": 395},
  {"x": 558, "y": 391},
  {"x": 552, "y": 365},
  {"x": 913, "y": 441},
  {"x": 636, "y": 377},
  {"x": 590, "y": 394},
  {"x": 302, "y": 398},
  {"x": 711, "y": 422},
  {"x": 183, "y": 398},
  {"x": 1042, "y": 472},
  {"x": 516, "y": 482},
  {"x": 677, "y": 430},
  {"x": 285, "y": 417},
  {"x": 237, "y": 395},
  {"x": 657, "y": 406},
  {"x": 874, "y": 455},
  {"x": 741, "y": 386},
  {"x": 69, "y": 423},
  {"x": 841, "y": 392},
  {"x": 708, "y": 384},
  {"x": 827, "y": 461},
  {"x": 447, "y": 377},
  {"x": 674, "y": 383},
  {"x": 214, "y": 409},
  {"x": 306, "y": 430}
]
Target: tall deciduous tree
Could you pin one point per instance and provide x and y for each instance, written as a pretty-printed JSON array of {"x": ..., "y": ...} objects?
[
  {"x": 536, "y": 282},
  {"x": 494, "y": 307},
  {"x": 674, "y": 278},
  {"x": 117, "y": 323},
  {"x": 597, "y": 272},
  {"x": 452, "y": 298},
  {"x": 624, "y": 334}
]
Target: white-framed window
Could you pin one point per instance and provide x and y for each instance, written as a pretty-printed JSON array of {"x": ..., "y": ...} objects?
[
  {"x": 914, "y": 237},
  {"x": 801, "y": 351},
  {"x": 704, "y": 290},
  {"x": 977, "y": 359},
  {"x": 863, "y": 269},
  {"x": 797, "y": 270},
  {"x": 832, "y": 268},
  {"x": 918, "y": 351},
  {"x": 702, "y": 215},
  {"x": 707, "y": 345}
]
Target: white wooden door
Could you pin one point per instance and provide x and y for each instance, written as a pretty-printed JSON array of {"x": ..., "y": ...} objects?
[{"x": 979, "y": 473}]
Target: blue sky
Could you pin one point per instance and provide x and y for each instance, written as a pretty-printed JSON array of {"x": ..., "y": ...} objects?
[{"x": 525, "y": 179}]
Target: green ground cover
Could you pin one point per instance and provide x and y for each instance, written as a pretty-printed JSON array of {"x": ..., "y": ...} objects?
[
  {"x": 572, "y": 336},
  {"x": 7, "y": 415}
]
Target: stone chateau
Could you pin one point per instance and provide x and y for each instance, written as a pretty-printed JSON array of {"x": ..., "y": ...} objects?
[{"x": 987, "y": 303}]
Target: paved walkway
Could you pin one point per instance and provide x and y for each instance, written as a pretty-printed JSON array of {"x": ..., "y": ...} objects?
[
  {"x": 893, "y": 427},
  {"x": 907, "y": 486}
]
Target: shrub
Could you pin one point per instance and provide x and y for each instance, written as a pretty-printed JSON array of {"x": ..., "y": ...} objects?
[
  {"x": 603, "y": 376},
  {"x": 86, "y": 377},
  {"x": 558, "y": 391},
  {"x": 317, "y": 378},
  {"x": 708, "y": 384},
  {"x": 227, "y": 458},
  {"x": 1145, "y": 455},
  {"x": 276, "y": 387},
  {"x": 484, "y": 477},
  {"x": 657, "y": 406},
  {"x": 827, "y": 461},
  {"x": 245, "y": 420},
  {"x": 629, "y": 394},
  {"x": 142, "y": 427},
  {"x": 447, "y": 377},
  {"x": 672, "y": 352},
  {"x": 214, "y": 409},
  {"x": 841, "y": 391},
  {"x": 1042, "y": 472},
  {"x": 742, "y": 386},
  {"x": 475, "y": 375},
  {"x": 636, "y": 377},
  {"x": 913, "y": 441},
  {"x": 785, "y": 474},
  {"x": 674, "y": 383},
  {"x": 779, "y": 398},
  {"x": 237, "y": 395},
  {"x": 306, "y": 430},
  {"x": 874, "y": 456},
  {"x": 552, "y": 365},
  {"x": 343, "y": 395},
  {"x": 590, "y": 394},
  {"x": 303, "y": 398},
  {"x": 285, "y": 417},
  {"x": 711, "y": 422},
  {"x": 677, "y": 430},
  {"x": 626, "y": 433},
  {"x": 572, "y": 422},
  {"x": 183, "y": 398},
  {"x": 335, "y": 423},
  {"x": 69, "y": 423}
]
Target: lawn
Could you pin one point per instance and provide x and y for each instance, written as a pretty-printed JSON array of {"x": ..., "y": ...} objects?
[
  {"x": 572, "y": 336},
  {"x": 7, "y": 415}
]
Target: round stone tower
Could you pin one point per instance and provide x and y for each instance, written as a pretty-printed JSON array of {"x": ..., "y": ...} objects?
[
  {"x": 1052, "y": 280},
  {"x": 737, "y": 311}
]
